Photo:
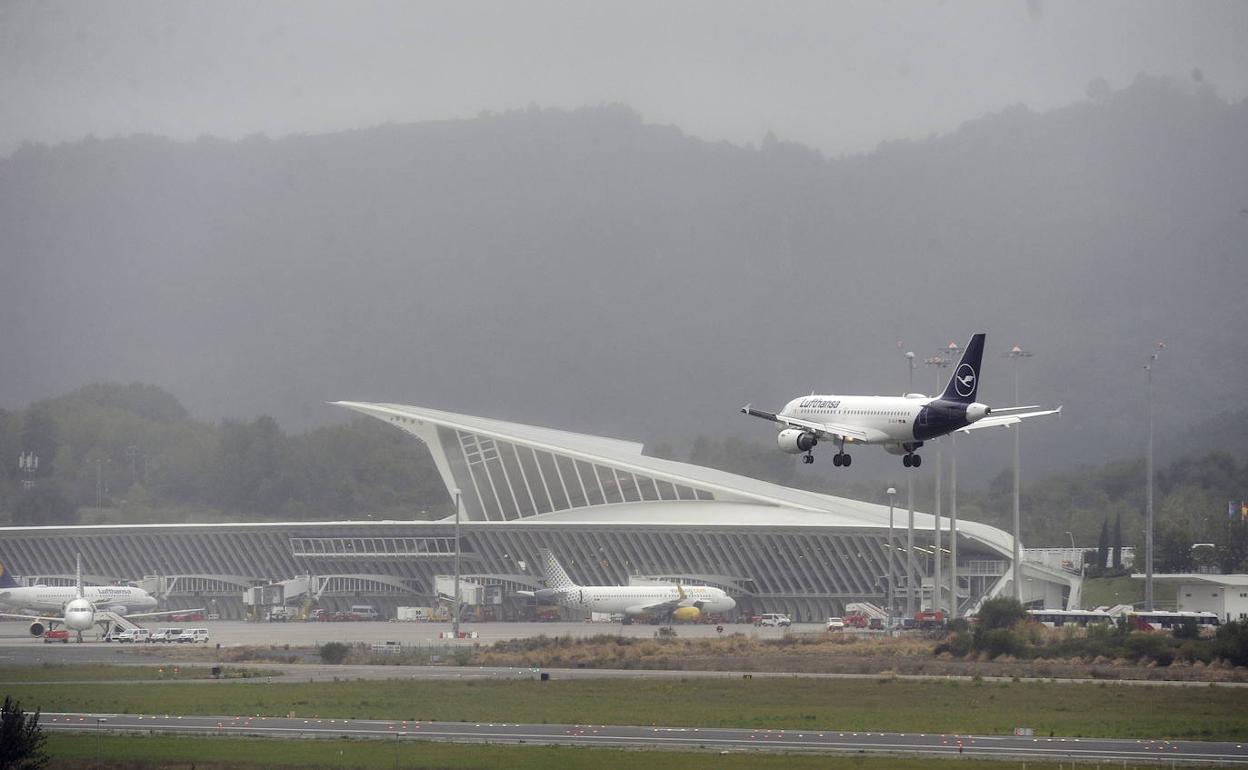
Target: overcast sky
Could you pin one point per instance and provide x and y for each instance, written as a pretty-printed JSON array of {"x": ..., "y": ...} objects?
[{"x": 839, "y": 76}]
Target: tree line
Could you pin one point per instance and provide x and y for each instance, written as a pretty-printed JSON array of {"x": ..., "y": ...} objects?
[{"x": 132, "y": 453}]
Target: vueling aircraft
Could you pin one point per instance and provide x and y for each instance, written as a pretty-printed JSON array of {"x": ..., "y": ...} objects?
[
  {"x": 900, "y": 423},
  {"x": 675, "y": 602}
]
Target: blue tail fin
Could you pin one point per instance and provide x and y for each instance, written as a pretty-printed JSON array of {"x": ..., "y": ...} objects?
[
  {"x": 964, "y": 384},
  {"x": 6, "y": 580}
]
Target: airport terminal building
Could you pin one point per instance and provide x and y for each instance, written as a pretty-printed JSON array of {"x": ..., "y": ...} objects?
[{"x": 611, "y": 515}]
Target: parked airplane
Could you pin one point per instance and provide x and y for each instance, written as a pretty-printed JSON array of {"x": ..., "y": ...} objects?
[
  {"x": 79, "y": 607},
  {"x": 676, "y": 602},
  {"x": 900, "y": 423}
]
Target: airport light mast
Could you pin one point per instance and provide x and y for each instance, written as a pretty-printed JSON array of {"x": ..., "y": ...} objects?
[
  {"x": 892, "y": 495},
  {"x": 1148, "y": 510},
  {"x": 910, "y": 570},
  {"x": 1017, "y": 354},
  {"x": 939, "y": 362},
  {"x": 455, "y": 603}
]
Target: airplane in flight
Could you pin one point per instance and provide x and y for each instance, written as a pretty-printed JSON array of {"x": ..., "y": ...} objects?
[
  {"x": 900, "y": 423},
  {"x": 675, "y": 602},
  {"x": 76, "y": 607}
]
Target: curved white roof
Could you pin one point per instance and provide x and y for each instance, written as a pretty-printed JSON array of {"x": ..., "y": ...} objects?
[{"x": 738, "y": 500}]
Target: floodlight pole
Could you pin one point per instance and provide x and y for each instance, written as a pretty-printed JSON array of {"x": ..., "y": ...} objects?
[
  {"x": 455, "y": 602},
  {"x": 892, "y": 494},
  {"x": 938, "y": 362},
  {"x": 1148, "y": 511},
  {"x": 1017, "y": 354},
  {"x": 910, "y": 365},
  {"x": 953, "y": 525}
]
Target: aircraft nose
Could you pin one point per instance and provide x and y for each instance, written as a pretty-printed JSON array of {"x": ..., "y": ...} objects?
[{"x": 731, "y": 601}]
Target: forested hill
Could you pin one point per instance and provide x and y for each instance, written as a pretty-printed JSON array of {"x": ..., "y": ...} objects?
[{"x": 588, "y": 271}]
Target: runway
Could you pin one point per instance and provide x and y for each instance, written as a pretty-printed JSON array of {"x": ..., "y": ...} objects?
[{"x": 668, "y": 738}]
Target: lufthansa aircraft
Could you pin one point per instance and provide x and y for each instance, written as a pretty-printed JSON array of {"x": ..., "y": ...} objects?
[
  {"x": 664, "y": 601},
  {"x": 900, "y": 423},
  {"x": 77, "y": 607}
]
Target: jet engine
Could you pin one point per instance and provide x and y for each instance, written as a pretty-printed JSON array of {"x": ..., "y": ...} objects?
[
  {"x": 686, "y": 613},
  {"x": 794, "y": 441},
  {"x": 37, "y": 629}
]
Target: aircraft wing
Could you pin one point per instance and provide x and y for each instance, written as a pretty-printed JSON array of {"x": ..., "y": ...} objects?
[
  {"x": 159, "y": 614},
  {"x": 41, "y": 618},
  {"x": 830, "y": 430},
  {"x": 1004, "y": 420},
  {"x": 657, "y": 608}
]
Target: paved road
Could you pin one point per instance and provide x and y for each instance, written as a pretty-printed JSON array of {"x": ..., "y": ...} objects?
[{"x": 670, "y": 738}]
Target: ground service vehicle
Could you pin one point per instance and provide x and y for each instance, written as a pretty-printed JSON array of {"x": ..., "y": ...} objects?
[
  {"x": 1160, "y": 620},
  {"x": 165, "y": 635},
  {"x": 774, "y": 620},
  {"x": 837, "y": 624},
  {"x": 364, "y": 612},
  {"x": 57, "y": 635},
  {"x": 133, "y": 635},
  {"x": 193, "y": 635},
  {"x": 1059, "y": 618}
]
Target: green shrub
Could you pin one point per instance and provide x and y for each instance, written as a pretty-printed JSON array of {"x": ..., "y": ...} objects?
[
  {"x": 334, "y": 652},
  {"x": 998, "y": 641},
  {"x": 1231, "y": 643},
  {"x": 1001, "y": 612}
]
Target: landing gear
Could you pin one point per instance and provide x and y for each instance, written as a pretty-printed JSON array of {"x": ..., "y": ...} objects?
[
  {"x": 840, "y": 458},
  {"x": 808, "y": 458},
  {"x": 911, "y": 461}
]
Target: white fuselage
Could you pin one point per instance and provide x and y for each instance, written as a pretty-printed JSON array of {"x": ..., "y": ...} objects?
[
  {"x": 54, "y": 599},
  {"x": 892, "y": 416},
  {"x": 635, "y": 600}
]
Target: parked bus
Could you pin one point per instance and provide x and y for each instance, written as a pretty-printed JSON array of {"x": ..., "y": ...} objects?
[
  {"x": 1059, "y": 618},
  {"x": 1161, "y": 620}
]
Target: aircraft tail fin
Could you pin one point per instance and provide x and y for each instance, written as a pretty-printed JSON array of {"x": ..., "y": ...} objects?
[
  {"x": 964, "y": 384},
  {"x": 6, "y": 580},
  {"x": 556, "y": 577},
  {"x": 78, "y": 576}
]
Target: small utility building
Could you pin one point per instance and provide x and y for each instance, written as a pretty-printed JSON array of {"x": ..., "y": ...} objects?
[{"x": 1226, "y": 595}]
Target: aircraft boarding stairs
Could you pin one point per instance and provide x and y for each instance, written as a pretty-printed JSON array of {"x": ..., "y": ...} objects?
[{"x": 112, "y": 624}]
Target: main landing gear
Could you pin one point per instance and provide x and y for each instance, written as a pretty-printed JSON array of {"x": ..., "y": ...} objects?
[
  {"x": 808, "y": 458},
  {"x": 911, "y": 460},
  {"x": 841, "y": 459}
]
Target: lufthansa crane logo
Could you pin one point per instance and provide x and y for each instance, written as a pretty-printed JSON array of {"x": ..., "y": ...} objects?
[{"x": 964, "y": 380}]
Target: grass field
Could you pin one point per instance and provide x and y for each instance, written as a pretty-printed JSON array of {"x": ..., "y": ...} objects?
[
  {"x": 1125, "y": 590},
  {"x": 74, "y": 752},
  {"x": 55, "y": 672},
  {"x": 1093, "y": 710}
]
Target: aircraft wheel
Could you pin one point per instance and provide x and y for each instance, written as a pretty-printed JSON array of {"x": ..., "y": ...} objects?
[
  {"x": 847, "y": 461},
  {"x": 907, "y": 461},
  {"x": 917, "y": 461},
  {"x": 838, "y": 459}
]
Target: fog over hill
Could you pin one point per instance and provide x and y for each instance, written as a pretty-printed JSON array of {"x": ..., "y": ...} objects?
[{"x": 589, "y": 271}]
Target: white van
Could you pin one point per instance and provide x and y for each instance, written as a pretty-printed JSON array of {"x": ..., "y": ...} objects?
[
  {"x": 133, "y": 635},
  {"x": 364, "y": 612},
  {"x": 165, "y": 635},
  {"x": 194, "y": 635},
  {"x": 774, "y": 620}
]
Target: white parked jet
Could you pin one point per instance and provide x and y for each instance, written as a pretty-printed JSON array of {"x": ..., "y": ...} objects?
[
  {"x": 900, "y": 423},
  {"x": 77, "y": 607},
  {"x": 667, "y": 601}
]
